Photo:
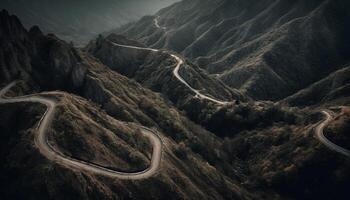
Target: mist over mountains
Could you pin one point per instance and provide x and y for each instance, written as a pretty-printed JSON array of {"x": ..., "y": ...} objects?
[
  {"x": 81, "y": 20},
  {"x": 204, "y": 99}
]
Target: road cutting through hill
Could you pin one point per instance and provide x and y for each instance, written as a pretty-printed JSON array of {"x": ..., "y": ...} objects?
[
  {"x": 179, "y": 63},
  {"x": 41, "y": 142},
  {"x": 156, "y": 23},
  {"x": 320, "y": 135}
]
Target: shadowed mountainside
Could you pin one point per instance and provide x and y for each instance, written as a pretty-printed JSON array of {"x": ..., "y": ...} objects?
[
  {"x": 334, "y": 89},
  {"x": 155, "y": 70},
  {"x": 268, "y": 49},
  {"x": 260, "y": 150},
  {"x": 47, "y": 63}
]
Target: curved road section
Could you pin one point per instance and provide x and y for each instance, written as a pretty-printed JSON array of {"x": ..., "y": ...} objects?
[
  {"x": 156, "y": 23},
  {"x": 324, "y": 140},
  {"x": 52, "y": 154},
  {"x": 179, "y": 63}
]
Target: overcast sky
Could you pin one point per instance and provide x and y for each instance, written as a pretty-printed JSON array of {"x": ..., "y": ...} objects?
[{"x": 80, "y": 19}]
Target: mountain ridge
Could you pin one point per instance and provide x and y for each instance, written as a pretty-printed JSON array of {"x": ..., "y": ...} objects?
[
  {"x": 53, "y": 64},
  {"x": 242, "y": 150},
  {"x": 245, "y": 42}
]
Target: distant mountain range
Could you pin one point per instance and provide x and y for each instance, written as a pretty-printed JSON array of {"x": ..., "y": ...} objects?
[
  {"x": 268, "y": 49},
  {"x": 87, "y": 90},
  {"x": 81, "y": 20},
  {"x": 237, "y": 94}
]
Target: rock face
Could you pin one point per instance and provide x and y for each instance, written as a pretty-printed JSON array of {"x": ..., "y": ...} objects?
[
  {"x": 32, "y": 56},
  {"x": 260, "y": 150},
  {"x": 268, "y": 49},
  {"x": 188, "y": 170},
  {"x": 14, "y": 57}
]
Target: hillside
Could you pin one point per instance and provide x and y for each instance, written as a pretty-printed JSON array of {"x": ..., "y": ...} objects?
[
  {"x": 338, "y": 130},
  {"x": 332, "y": 90},
  {"x": 79, "y": 130},
  {"x": 67, "y": 69},
  {"x": 78, "y": 137},
  {"x": 268, "y": 50},
  {"x": 154, "y": 70}
]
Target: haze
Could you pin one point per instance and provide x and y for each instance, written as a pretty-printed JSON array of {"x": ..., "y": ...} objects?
[{"x": 81, "y": 20}]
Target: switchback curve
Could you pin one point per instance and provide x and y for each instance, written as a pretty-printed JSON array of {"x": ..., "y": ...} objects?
[{"x": 52, "y": 154}]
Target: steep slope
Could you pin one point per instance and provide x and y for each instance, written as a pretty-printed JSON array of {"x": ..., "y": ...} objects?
[
  {"x": 338, "y": 130},
  {"x": 91, "y": 141},
  {"x": 312, "y": 171},
  {"x": 333, "y": 90},
  {"x": 12, "y": 64},
  {"x": 182, "y": 82},
  {"x": 155, "y": 70},
  {"x": 268, "y": 49},
  {"x": 80, "y": 129},
  {"x": 269, "y": 152}
]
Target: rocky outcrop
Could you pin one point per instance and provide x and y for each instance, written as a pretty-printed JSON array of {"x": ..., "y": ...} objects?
[
  {"x": 14, "y": 41},
  {"x": 266, "y": 151},
  {"x": 81, "y": 128},
  {"x": 32, "y": 56}
]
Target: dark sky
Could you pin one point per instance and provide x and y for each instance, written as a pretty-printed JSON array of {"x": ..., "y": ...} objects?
[{"x": 78, "y": 20}]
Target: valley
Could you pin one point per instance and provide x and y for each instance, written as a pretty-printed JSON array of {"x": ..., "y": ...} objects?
[
  {"x": 201, "y": 100},
  {"x": 56, "y": 156},
  {"x": 176, "y": 74}
]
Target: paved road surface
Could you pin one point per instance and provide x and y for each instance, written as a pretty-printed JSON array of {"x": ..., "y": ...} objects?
[
  {"x": 180, "y": 62},
  {"x": 177, "y": 68},
  {"x": 324, "y": 140},
  {"x": 51, "y": 153},
  {"x": 156, "y": 23}
]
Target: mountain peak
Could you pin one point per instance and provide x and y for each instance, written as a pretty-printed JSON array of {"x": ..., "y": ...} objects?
[
  {"x": 11, "y": 26},
  {"x": 129, "y": 118},
  {"x": 35, "y": 30}
]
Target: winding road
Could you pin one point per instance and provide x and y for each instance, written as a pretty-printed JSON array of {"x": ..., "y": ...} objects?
[
  {"x": 180, "y": 62},
  {"x": 156, "y": 23},
  {"x": 320, "y": 135},
  {"x": 41, "y": 141}
]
